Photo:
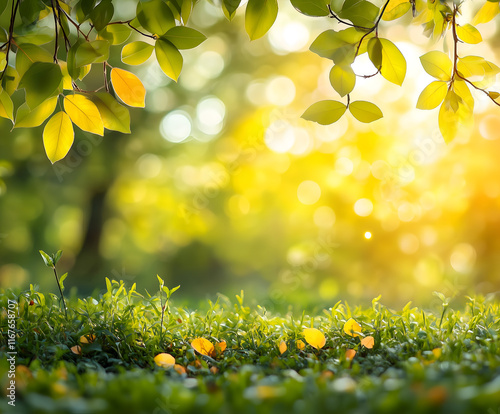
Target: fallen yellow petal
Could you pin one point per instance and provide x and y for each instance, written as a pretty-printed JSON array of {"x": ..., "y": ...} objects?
[
  {"x": 368, "y": 342},
  {"x": 203, "y": 346},
  {"x": 220, "y": 347},
  {"x": 437, "y": 352},
  {"x": 300, "y": 344},
  {"x": 180, "y": 369},
  {"x": 351, "y": 327},
  {"x": 282, "y": 347},
  {"x": 350, "y": 354},
  {"x": 164, "y": 360},
  {"x": 314, "y": 337}
]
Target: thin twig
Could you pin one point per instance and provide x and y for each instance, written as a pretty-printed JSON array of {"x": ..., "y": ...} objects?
[
  {"x": 11, "y": 35},
  {"x": 56, "y": 47},
  {"x": 129, "y": 24}
]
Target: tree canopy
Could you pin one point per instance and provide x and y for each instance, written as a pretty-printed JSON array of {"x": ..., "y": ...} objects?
[{"x": 50, "y": 46}]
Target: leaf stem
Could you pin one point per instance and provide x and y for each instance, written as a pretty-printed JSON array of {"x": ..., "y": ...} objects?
[{"x": 60, "y": 290}]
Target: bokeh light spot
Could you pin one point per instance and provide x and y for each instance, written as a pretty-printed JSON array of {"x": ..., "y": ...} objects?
[
  {"x": 176, "y": 126},
  {"x": 324, "y": 217},
  {"x": 463, "y": 257},
  {"x": 308, "y": 192},
  {"x": 363, "y": 207}
]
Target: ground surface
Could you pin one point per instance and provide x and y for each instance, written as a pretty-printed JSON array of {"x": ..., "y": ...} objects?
[{"x": 101, "y": 357}]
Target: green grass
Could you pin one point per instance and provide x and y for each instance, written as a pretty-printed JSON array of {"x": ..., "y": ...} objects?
[{"x": 402, "y": 373}]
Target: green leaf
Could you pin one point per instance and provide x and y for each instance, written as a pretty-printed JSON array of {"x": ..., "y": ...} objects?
[
  {"x": 115, "y": 34},
  {"x": 10, "y": 80},
  {"x": 183, "y": 37},
  {"x": 55, "y": 257},
  {"x": 102, "y": 14},
  {"x": 259, "y": 17},
  {"x": 26, "y": 118},
  {"x": 160, "y": 281},
  {"x": 62, "y": 279},
  {"x": 58, "y": 136},
  {"x": 359, "y": 12},
  {"x": 388, "y": 59},
  {"x": 230, "y": 7},
  {"x": 169, "y": 58},
  {"x": 29, "y": 10},
  {"x": 365, "y": 111},
  {"x": 136, "y": 53},
  {"x": 114, "y": 116},
  {"x": 343, "y": 79},
  {"x": 432, "y": 95},
  {"x": 40, "y": 82},
  {"x": 338, "y": 46},
  {"x": 28, "y": 53},
  {"x": 6, "y": 106},
  {"x": 46, "y": 259},
  {"x": 311, "y": 7},
  {"x": 155, "y": 16},
  {"x": 325, "y": 112},
  {"x": 437, "y": 64},
  {"x": 91, "y": 52}
]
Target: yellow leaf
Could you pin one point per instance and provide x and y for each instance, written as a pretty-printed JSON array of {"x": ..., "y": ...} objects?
[
  {"x": 282, "y": 347},
  {"x": 164, "y": 360},
  {"x": 486, "y": 13},
  {"x": 448, "y": 117},
  {"x": 67, "y": 81},
  {"x": 432, "y": 95},
  {"x": 343, "y": 79},
  {"x": 350, "y": 354},
  {"x": 365, "y": 111},
  {"x": 128, "y": 87},
  {"x": 25, "y": 118},
  {"x": 388, "y": 59},
  {"x": 77, "y": 349},
  {"x": 437, "y": 64},
  {"x": 437, "y": 352},
  {"x": 314, "y": 337},
  {"x": 6, "y": 106},
  {"x": 396, "y": 9},
  {"x": 300, "y": 344},
  {"x": 114, "y": 115},
  {"x": 352, "y": 328},
  {"x": 136, "y": 53},
  {"x": 58, "y": 136},
  {"x": 368, "y": 342},
  {"x": 84, "y": 113},
  {"x": 203, "y": 346},
  {"x": 469, "y": 34}
]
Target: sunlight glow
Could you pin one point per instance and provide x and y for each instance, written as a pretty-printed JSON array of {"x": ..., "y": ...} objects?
[
  {"x": 280, "y": 136},
  {"x": 368, "y": 235}
]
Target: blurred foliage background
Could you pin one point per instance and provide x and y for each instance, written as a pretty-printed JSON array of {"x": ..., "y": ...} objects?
[{"x": 221, "y": 186}]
